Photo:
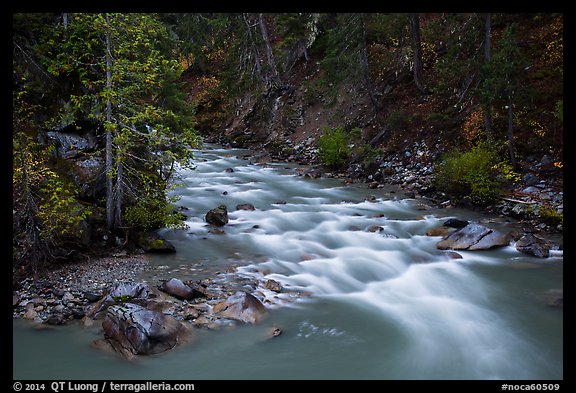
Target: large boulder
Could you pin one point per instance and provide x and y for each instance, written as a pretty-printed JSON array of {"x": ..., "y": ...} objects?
[
  {"x": 218, "y": 216},
  {"x": 473, "y": 237},
  {"x": 242, "y": 307},
  {"x": 134, "y": 330},
  {"x": 533, "y": 245},
  {"x": 72, "y": 144}
]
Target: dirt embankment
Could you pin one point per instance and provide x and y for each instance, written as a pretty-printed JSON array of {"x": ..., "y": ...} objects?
[{"x": 285, "y": 124}]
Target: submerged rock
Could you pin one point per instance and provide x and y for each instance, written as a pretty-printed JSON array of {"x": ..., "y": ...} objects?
[
  {"x": 245, "y": 206},
  {"x": 554, "y": 298}
]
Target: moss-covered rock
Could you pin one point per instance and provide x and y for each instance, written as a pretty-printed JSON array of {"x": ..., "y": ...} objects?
[
  {"x": 154, "y": 243},
  {"x": 217, "y": 216}
]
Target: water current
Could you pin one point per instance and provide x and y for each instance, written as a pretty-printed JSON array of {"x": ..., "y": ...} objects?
[{"x": 379, "y": 304}]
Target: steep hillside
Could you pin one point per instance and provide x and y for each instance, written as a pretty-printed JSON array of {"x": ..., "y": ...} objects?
[{"x": 410, "y": 131}]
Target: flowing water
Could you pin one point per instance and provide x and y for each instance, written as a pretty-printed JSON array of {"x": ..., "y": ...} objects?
[{"x": 381, "y": 304}]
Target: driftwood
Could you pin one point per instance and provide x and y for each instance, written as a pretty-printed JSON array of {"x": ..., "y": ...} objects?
[{"x": 517, "y": 201}]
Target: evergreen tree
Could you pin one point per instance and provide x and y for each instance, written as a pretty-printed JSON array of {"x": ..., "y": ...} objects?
[{"x": 113, "y": 70}]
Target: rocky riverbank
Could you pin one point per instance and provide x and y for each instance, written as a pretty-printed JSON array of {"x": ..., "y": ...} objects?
[
  {"x": 143, "y": 316},
  {"x": 76, "y": 292},
  {"x": 536, "y": 200}
]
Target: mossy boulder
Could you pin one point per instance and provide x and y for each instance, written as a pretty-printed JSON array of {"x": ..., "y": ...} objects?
[
  {"x": 217, "y": 216},
  {"x": 154, "y": 243}
]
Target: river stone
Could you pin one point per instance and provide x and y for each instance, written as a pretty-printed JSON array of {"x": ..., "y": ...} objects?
[
  {"x": 455, "y": 223},
  {"x": 134, "y": 330},
  {"x": 533, "y": 245},
  {"x": 473, "y": 237},
  {"x": 179, "y": 289},
  {"x": 30, "y": 312},
  {"x": 242, "y": 307},
  {"x": 245, "y": 206},
  {"x": 273, "y": 285},
  {"x": 217, "y": 216}
]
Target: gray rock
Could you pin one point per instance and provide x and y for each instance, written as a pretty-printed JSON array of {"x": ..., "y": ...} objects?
[
  {"x": 273, "y": 285},
  {"x": 533, "y": 245},
  {"x": 530, "y": 179},
  {"x": 134, "y": 330},
  {"x": 531, "y": 190},
  {"x": 455, "y": 223},
  {"x": 520, "y": 210},
  {"x": 473, "y": 237},
  {"x": 492, "y": 239},
  {"x": 245, "y": 206},
  {"x": 71, "y": 144},
  {"x": 242, "y": 307},
  {"x": 179, "y": 289},
  {"x": 140, "y": 293}
]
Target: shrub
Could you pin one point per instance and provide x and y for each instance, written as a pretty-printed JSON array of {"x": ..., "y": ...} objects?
[
  {"x": 550, "y": 216},
  {"x": 478, "y": 173},
  {"x": 152, "y": 212},
  {"x": 333, "y": 148}
]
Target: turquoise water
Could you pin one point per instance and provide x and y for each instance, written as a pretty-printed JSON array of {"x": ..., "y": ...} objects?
[{"x": 382, "y": 305}]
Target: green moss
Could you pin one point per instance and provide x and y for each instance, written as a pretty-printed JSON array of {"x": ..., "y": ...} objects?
[{"x": 122, "y": 299}]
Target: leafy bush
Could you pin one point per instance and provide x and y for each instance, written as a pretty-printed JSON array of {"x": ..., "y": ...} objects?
[
  {"x": 152, "y": 212},
  {"x": 479, "y": 173},
  {"x": 333, "y": 147},
  {"x": 550, "y": 216}
]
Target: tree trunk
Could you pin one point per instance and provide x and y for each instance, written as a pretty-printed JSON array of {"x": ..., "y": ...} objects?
[
  {"x": 254, "y": 48},
  {"x": 415, "y": 27},
  {"x": 118, "y": 194},
  {"x": 109, "y": 147},
  {"x": 511, "y": 132},
  {"x": 269, "y": 54},
  {"x": 369, "y": 85},
  {"x": 487, "y": 57}
]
